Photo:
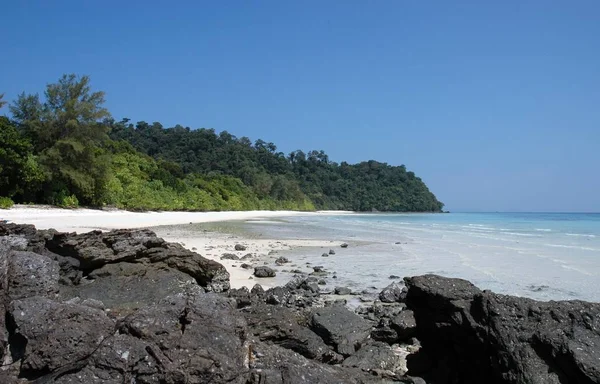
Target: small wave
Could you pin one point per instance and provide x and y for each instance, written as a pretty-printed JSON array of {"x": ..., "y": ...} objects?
[
  {"x": 571, "y": 247},
  {"x": 580, "y": 235},
  {"x": 571, "y": 268},
  {"x": 543, "y": 230}
]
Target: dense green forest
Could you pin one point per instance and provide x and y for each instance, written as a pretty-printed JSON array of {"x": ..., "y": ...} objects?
[{"x": 67, "y": 150}]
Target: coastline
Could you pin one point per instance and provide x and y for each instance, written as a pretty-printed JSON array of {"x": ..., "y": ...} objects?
[{"x": 171, "y": 226}]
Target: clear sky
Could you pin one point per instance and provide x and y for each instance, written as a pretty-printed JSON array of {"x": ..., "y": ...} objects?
[{"x": 495, "y": 104}]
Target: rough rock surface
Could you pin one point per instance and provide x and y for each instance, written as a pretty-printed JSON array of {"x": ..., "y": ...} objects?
[
  {"x": 263, "y": 271},
  {"x": 470, "y": 336},
  {"x": 344, "y": 330},
  {"x": 127, "y": 307},
  {"x": 95, "y": 249},
  {"x": 391, "y": 294}
]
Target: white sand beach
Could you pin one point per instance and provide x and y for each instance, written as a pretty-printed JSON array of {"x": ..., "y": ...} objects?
[{"x": 211, "y": 245}]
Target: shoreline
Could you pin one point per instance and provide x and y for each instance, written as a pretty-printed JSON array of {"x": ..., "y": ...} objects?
[{"x": 171, "y": 226}]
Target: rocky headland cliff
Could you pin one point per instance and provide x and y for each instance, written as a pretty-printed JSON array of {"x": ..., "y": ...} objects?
[{"x": 127, "y": 307}]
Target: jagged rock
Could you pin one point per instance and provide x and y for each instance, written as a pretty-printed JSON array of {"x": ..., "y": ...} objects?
[
  {"x": 229, "y": 256},
  {"x": 321, "y": 282},
  {"x": 340, "y": 328},
  {"x": 263, "y": 271},
  {"x": 247, "y": 256},
  {"x": 325, "y": 254},
  {"x": 30, "y": 274},
  {"x": 119, "y": 359},
  {"x": 391, "y": 294},
  {"x": 474, "y": 337},
  {"x": 198, "y": 337},
  {"x": 281, "y": 326},
  {"x": 271, "y": 364},
  {"x": 47, "y": 336},
  {"x": 246, "y": 266},
  {"x": 392, "y": 277},
  {"x": 384, "y": 332},
  {"x": 96, "y": 249},
  {"x": 344, "y": 245},
  {"x": 331, "y": 252},
  {"x": 405, "y": 325},
  {"x": 318, "y": 268},
  {"x": 240, "y": 247},
  {"x": 376, "y": 356}
]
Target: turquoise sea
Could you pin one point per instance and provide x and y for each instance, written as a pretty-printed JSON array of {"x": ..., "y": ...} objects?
[{"x": 546, "y": 256}]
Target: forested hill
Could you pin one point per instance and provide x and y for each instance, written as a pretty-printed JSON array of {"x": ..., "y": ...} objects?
[{"x": 67, "y": 150}]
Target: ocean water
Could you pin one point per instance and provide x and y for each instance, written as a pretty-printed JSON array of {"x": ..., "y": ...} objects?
[{"x": 545, "y": 256}]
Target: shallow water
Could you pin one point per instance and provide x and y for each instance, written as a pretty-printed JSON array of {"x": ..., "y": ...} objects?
[{"x": 551, "y": 256}]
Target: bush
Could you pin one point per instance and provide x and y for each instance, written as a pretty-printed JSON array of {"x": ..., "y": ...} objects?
[
  {"x": 69, "y": 202},
  {"x": 6, "y": 202}
]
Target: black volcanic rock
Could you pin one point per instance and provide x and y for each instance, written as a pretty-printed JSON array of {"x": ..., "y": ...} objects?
[
  {"x": 263, "y": 271},
  {"x": 95, "y": 249},
  {"x": 392, "y": 293},
  {"x": 126, "y": 307},
  {"x": 344, "y": 330},
  {"x": 472, "y": 336}
]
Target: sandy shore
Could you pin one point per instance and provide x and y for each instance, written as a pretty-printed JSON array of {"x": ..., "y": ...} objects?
[{"x": 207, "y": 243}]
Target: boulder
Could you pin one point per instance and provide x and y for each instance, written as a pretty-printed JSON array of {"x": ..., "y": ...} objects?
[
  {"x": 342, "y": 291},
  {"x": 95, "y": 249},
  {"x": 331, "y": 252},
  {"x": 391, "y": 294},
  {"x": 471, "y": 336},
  {"x": 229, "y": 256},
  {"x": 263, "y": 271},
  {"x": 339, "y": 327},
  {"x": 240, "y": 247},
  {"x": 47, "y": 336},
  {"x": 344, "y": 245}
]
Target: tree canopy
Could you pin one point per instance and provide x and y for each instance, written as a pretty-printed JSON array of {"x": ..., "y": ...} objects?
[{"x": 65, "y": 148}]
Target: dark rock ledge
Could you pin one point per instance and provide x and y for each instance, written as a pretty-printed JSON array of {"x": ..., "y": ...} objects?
[{"x": 127, "y": 307}]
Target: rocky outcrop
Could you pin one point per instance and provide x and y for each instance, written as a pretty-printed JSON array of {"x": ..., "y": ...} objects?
[
  {"x": 470, "y": 336},
  {"x": 96, "y": 249},
  {"x": 127, "y": 307},
  {"x": 340, "y": 328}
]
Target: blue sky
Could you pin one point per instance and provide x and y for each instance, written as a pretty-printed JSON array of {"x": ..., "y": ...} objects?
[{"x": 496, "y": 105}]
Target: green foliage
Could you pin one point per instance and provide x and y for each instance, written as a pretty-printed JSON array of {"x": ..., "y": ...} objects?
[
  {"x": 64, "y": 201},
  {"x": 68, "y": 134},
  {"x": 272, "y": 176},
  {"x": 2, "y": 102},
  {"x": 58, "y": 151},
  {"x": 19, "y": 170},
  {"x": 6, "y": 202}
]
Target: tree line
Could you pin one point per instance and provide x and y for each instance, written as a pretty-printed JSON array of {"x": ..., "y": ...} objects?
[{"x": 67, "y": 150}]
